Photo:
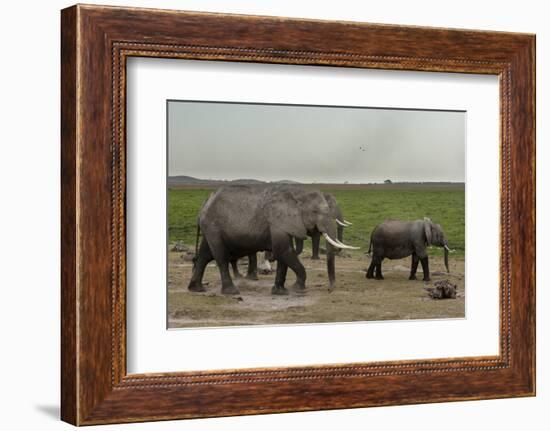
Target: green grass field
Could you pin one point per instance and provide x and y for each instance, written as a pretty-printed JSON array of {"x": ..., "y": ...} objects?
[{"x": 365, "y": 206}]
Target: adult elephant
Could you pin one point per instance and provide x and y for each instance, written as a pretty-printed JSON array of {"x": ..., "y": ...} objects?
[
  {"x": 336, "y": 214},
  {"x": 239, "y": 220},
  {"x": 398, "y": 239}
]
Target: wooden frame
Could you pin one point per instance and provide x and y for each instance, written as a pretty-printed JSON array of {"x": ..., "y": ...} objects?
[{"x": 95, "y": 42}]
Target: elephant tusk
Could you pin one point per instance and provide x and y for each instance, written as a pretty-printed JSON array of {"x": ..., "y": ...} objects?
[
  {"x": 341, "y": 223},
  {"x": 349, "y": 247},
  {"x": 331, "y": 241},
  {"x": 338, "y": 244},
  {"x": 342, "y": 245},
  {"x": 347, "y": 222},
  {"x": 448, "y": 249}
]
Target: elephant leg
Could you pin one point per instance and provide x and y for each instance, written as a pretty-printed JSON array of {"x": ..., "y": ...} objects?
[
  {"x": 234, "y": 266},
  {"x": 425, "y": 268},
  {"x": 222, "y": 259},
  {"x": 291, "y": 259},
  {"x": 370, "y": 271},
  {"x": 378, "y": 269},
  {"x": 315, "y": 239},
  {"x": 284, "y": 252},
  {"x": 252, "y": 273},
  {"x": 203, "y": 258},
  {"x": 279, "y": 287},
  {"x": 228, "y": 288},
  {"x": 414, "y": 266},
  {"x": 299, "y": 245}
]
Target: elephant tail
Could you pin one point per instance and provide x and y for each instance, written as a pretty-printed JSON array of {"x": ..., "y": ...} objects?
[{"x": 368, "y": 253}]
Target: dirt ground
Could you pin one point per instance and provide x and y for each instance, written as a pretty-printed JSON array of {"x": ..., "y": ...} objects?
[{"x": 354, "y": 299}]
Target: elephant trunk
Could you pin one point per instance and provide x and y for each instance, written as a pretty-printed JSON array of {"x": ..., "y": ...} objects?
[
  {"x": 446, "y": 258},
  {"x": 299, "y": 245},
  {"x": 331, "y": 267},
  {"x": 329, "y": 232},
  {"x": 331, "y": 251}
]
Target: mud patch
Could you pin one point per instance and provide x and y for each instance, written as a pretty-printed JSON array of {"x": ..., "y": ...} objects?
[{"x": 354, "y": 299}]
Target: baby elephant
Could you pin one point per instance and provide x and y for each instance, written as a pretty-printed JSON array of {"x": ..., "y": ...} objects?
[{"x": 398, "y": 239}]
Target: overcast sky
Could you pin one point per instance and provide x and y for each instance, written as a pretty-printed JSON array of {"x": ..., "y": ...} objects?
[{"x": 314, "y": 144}]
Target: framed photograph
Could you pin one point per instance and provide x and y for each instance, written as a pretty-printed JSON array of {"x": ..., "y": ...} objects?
[{"x": 322, "y": 214}]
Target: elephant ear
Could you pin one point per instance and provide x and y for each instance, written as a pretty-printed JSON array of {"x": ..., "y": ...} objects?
[
  {"x": 331, "y": 203},
  {"x": 428, "y": 230},
  {"x": 283, "y": 213}
]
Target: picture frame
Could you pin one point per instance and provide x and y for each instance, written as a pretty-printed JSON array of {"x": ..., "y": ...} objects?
[{"x": 96, "y": 41}]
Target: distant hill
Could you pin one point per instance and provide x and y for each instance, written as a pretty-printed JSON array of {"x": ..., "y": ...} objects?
[
  {"x": 285, "y": 182},
  {"x": 185, "y": 180},
  {"x": 245, "y": 181}
]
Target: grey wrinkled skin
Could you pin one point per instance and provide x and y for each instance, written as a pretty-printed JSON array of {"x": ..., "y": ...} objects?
[
  {"x": 394, "y": 239},
  {"x": 336, "y": 213},
  {"x": 252, "y": 273},
  {"x": 240, "y": 220}
]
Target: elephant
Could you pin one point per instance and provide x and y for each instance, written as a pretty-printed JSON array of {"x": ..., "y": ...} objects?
[
  {"x": 336, "y": 213},
  {"x": 298, "y": 244},
  {"x": 238, "y": 220},
  {"x": 398, "y": 239}
]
